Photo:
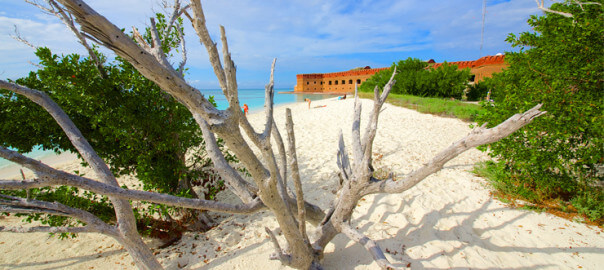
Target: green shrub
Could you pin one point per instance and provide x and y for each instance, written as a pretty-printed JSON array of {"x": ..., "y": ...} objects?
[
  {"x": 129, "y": 121},
  {"x": 380, "y": 78},
  {"x": 560, "y": 65},
  {"x": 415, "y": 78}
]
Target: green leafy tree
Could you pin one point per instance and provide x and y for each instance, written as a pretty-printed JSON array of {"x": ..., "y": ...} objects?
[
  {"x": 410, "y": 76},
  {"x": 415, "y": 78},
  {"x": 446, "y": 81},
  {"x": 133, "y": 125},
  {"x": 560, "y": 64}
]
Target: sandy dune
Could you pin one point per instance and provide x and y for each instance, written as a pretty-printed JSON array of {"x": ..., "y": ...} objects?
[{"x": 447, "y": 221}]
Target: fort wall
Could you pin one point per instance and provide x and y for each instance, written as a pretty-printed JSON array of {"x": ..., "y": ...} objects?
[
  {"x": 481, "y": 68},
  {"x": 336, "y": 82},
  {"x": 343, "y": 82}
]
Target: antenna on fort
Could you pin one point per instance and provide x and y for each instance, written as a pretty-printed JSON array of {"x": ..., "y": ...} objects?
[{"x": 484, "y": 12}]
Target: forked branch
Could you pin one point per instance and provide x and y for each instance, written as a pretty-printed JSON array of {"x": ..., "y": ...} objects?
[{"x": 56, "y": 10}]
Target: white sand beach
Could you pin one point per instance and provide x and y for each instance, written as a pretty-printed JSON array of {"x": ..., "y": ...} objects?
[{"x": 450, "y": 220}]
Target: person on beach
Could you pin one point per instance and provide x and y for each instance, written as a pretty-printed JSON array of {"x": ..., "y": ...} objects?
[
  {"x": 308, "y": 100},
  {"x": 245, "y": 109},
  {"x": 342, "y": 97}
]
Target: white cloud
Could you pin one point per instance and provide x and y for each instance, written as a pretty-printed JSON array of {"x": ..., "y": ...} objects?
[
  {"x": 16, "y": 55},
  {"x": 307, "y": 36}
]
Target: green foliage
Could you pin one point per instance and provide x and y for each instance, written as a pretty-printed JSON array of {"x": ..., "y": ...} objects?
[
  {"x": 378, "y": 79},
  {"x": 478, "y": 91},
  {"x": 415, "y": 78},
  {"x": 560, "y": 65},
  {"x": 129, "y": 121}
]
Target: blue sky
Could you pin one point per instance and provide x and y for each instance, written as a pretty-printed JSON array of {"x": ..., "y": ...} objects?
[{"x": 307, "y": 36}]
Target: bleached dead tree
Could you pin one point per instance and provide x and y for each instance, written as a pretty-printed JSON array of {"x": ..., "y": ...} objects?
[{"x": 269, "y": 170}]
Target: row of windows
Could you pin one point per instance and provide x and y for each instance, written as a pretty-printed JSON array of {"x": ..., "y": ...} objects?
[{"x": 336, "y": 82}]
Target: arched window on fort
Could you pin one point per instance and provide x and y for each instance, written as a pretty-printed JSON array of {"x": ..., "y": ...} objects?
[
  {"x": 343, "y": 81},
  {"x": 349, "y": 81},
  {"x": 336, "y": 82},
  {"x": 315, "y": 82},
  {"x": 358, "y": 81},
  {"x": 321, "y": 83},
  {"x": 307, "y": 83},
  {"x": 329, "y": 82}
]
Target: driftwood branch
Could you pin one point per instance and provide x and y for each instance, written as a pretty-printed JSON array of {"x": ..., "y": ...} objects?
[
  {"x": 343, "y": 160},
  {"x": 357, "y": 148},
  {"x": 240, "y": 187},
  {"x": 477, "y": 137},
  {"x": 370, "y": 245},
  {"x": 541, "y": 6},
  {"x": 140, "y": 39},
  {"x": 279, "y": 254},
  {"x": 296, "y": 174},
  {"x": 177, "y": 12},
  {"x": 198, "y": 20},
  {"x": 51, "y": 177},
  {"x": 48, "y": 229},
  {"x": 17, "y": 36},
  {"x": 98, "y": 27},
  {"x": 56, "y": 10},
  {"x": 371, "y": 128},
  {"x": 183, "y": 52},
  {"x": 282, "y": 154},
  {"x": 269, "y": 94},
  {"x": 230, "y": 73},
  {"x": 157, "y": 46},
  {"x": 22, "y": 205}
]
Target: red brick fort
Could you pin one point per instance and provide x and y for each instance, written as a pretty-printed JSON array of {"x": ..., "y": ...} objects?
[
  {"x": 343, "y": 82},
  {"x": 336, "y": 82}
]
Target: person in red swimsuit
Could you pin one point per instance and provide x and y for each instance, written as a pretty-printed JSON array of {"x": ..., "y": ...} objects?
[{"x": 245, "y": 108}]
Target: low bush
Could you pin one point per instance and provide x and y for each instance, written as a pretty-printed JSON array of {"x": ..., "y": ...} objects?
[
  {"x": 414, "y": 77},
  {"x": 560, "y": 65}
]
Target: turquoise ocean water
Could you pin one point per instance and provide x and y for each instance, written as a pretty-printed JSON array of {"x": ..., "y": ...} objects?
[{"x": 254, "y": 98}]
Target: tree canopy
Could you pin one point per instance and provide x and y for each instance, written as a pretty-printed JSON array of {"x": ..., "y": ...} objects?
[{"x": 130, "y": 122}]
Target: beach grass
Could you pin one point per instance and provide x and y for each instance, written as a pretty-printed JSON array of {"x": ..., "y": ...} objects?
[{"x": 438, "y": 106}]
